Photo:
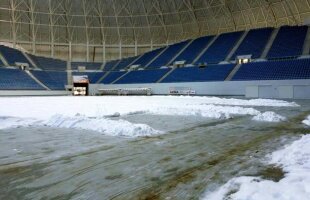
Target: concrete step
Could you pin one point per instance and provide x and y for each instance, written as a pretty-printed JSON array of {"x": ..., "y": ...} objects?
[
  {"x": 232, "y": 52},
  {"x": 306, "y": 47},
  {"x": 233, "y": 72},
  {"x": 269, "y": 43},
  {"x": 36, "y": 80},
  {"x": 206, "y": 48},
  {"x": 179, "y": 53},
  {"x": 164, "y": 76}
]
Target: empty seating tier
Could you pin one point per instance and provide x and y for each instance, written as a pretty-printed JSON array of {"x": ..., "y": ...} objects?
[
  {"x": 193, "y": 50},
  {"x": 142, "y": 76},
  {"x": 110, "y": 65},
  {"x": 112, "y": 76},
  {"x": 221, "y": 47},
  {"x": 13, "y": 55},
  {"x": 93, "y": 77},
  {"x": 88, "y": 65},
  {"x": 195, "y": 74},
  {"x": 124, "y": 63},
  {"x": 274, "y": 70},
  {"x": 49, "y": 63},
  {"x": 289, "y": 42},
  {"x": 15, "y": 79},
  {"x": 168, "y": 55},
  {"x": 52, "y": 79},
  {"x": 254, "y": 43},
  {"x": 148, "y": 57}
]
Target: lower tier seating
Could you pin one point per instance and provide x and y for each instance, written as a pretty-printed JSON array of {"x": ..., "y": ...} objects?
[
  {"x": 54, "y": 80},
  {"x": 15, "y": 79},
  {"x": 142, "y": 76},
  {"x": 112, "y": 76},
  {"x": 274, "y": 70},
  {"x": 195, "y": 74}
]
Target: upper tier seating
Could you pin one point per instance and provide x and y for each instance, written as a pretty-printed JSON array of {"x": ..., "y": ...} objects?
[
  {"x": 195, "y": 74},
  {"x": 112, "y": 76},
  {"x": 254, "y": 43},
  {"x": 16, "y": 79},
  {"x": 142, "y": 76},
  {"x": 168, "y": 54},
  {"x": 194, "y": 49},
  {"x": 221, "y": 47},
  {"x": 110, "y": 65},
  {"x": 88, "y": 65},
  {"x": 93, "y": 77},
  {"x": 1, "y": 63},
  {"x": 274, "y": 70},
  {"x": 49, "y": 63},
  {"x": 52, "y": 79},
  {"x": 148, "y": 57},
  {"x": 13, "y": 55},
  {"x": 289, "y": 42},
  {"x": 125, "y": 62}
]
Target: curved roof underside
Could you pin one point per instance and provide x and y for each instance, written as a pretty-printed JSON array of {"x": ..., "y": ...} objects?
[{"x": 140, "y": 21}]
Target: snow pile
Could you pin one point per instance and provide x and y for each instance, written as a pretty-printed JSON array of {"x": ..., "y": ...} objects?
[
  {"x": 23, "y": 111},
  {"x": 307, "y": 121},
  {"x": 269, "y": 117},
  {"x": 294, "y": 159},
  {"x": 102, "y": 125}
]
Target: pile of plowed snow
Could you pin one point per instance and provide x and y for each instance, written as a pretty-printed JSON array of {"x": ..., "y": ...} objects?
[
  {"x": 295, "y": 161},
  {"x": 94, "y": 113}
]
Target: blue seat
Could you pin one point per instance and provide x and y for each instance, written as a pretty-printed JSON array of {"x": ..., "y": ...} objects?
[
  {"x": 194, "y": 49},
  {"x": 15, "y": 79},
  {"x": 88, "y": 65},
  {"x": 148, "y": 57},
  {"x": 55, "y": 80},
  {"x": 49, "y": 63},
  {"x": 125, "y": 63},
  {"x": 110, "y": 65},
  {"x": 164, "y": 58},
  {"x": 221, "y": 47},
  {"x": 13, "y": 55},
  {"x": 112, "y": 76},
  {"x": 289, "y": 42},
  {"x": 142, "y": 76},
  {"x": 254, "y": 43},
  {"x": 195, "y": 74},
  {"x": 274, "y": 70}
]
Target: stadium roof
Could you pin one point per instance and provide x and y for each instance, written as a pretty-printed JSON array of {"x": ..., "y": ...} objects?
[{"x": 140, "y": 21}]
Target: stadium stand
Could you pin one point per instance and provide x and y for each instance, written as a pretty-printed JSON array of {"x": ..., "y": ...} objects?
[
  {"x": 142, "y": 76},
  {"x": 218, "y": 51},
  {"x": 254, "y": 43},
  {"x": 49, "y": 63},
  {"x": 194, "y": 49},
  {"x": 289, "y": 42},
  {"x": 148, "y": 57},
  {"x": 125, "y": 63},
  {"x": 112, "y": 76},
  {"x": 195, "y": 74},
  {"x": 1, "y": 63},
  {"x": 274, "y": 70},
  {"x": 54, "y": 80},
  {"x": 93, "y": 77},
  {"x": 13, "y": 55},
  {"x": 88, "y": 65},
  {"x": 168, "y": 54},
  {"x": 110, "y": 65},
  {"x": 15, "y": 79}
]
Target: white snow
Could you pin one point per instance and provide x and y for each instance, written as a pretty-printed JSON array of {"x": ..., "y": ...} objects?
[
  {"x": 269, "y": 117},
  {"x": 307, "y": 121},
  {"x": 295, "y": 161},
  {"x": 23, "y": 110}
]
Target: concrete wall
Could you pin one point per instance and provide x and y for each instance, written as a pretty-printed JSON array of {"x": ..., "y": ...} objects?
[
  {"x": 33, "y": 93},
  {"x": 297, "y": 89}
]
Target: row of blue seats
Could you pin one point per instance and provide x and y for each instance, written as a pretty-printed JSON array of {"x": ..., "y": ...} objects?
[
  {"x": 274, "y": 70},
  {"x": 13, "y": 55},
  {"x": 49, "y": 63},
  {"x": 88, "y": 65},
  {"x": 15, "y": 79}
]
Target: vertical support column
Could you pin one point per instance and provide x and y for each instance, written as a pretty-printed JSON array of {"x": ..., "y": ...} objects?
[
  {"x": 87, "y": 51},
  {"x": 120, "y": 50},
  {"x": 136, "y": 48},
  {"x": 70, "y": 51},
  {"x": 13, "y": 21},
  {"x": 103, "y": 53}
]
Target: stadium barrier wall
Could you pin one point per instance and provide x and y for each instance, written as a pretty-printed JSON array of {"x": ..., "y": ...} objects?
[{"x": 284, "y": 89}]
